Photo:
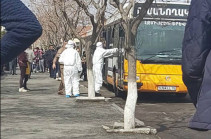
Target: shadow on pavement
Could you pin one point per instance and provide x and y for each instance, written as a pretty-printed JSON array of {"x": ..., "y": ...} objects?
[
  {"x": 162, "y": 98},
  {"x": 158, "y": 98}
]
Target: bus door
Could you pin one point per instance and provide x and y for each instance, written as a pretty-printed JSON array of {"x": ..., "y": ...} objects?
[{"x": 105, "y": 65}]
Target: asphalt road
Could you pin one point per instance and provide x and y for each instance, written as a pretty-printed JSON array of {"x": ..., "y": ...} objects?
[{"x": 167, "y": 113}]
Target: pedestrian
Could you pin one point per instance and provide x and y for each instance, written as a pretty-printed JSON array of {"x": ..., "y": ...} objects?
[
  {"x": 58, "y": 72},
  {"x": 49, "y": 55},
  {"x": 26, "y": 77},
  {"x": 196, "y": 62},
  {"x": 41, "y": 60},
  {"x": 22, "y": 28},
  {"x": 22, "y": 61},
  {"x": 61, "y": 90},
  {"x": 98, "y": 58},
  {"x": 36, "y": 59},
  {"x": 12, "y": 66},
  {"x": 84, "y": 66},
  {"x": 72, "y": 66},
  {"x": 31, "y": 57}
]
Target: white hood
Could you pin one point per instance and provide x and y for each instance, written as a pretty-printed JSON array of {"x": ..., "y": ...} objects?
[
  {"x": 70, "y": 44},
  {"x": 99, "y": 45}
]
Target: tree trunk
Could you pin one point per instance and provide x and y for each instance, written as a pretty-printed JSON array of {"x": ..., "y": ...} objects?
[
  {"x": 129, "y": 112},
  {"x": 90, "y": 77}
]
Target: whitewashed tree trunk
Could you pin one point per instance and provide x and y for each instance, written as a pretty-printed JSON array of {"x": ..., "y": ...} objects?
[
  {"x": 91, "y": 91},
  {"x": 130, "y": 26},
  {"x": 90, "y": 76},
  {"x": 129, "y": 112}
]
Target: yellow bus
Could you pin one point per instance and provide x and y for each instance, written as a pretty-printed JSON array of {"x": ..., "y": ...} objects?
[{"x": 158, "y": 50}]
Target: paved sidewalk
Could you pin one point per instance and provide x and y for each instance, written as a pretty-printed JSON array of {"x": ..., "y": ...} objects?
[{"x": 41, "y": 113}]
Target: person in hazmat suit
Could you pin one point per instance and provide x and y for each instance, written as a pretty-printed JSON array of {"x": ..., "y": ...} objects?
[
  {"x": 72, "y": 66},
  {"x": 98, "y": 59}
]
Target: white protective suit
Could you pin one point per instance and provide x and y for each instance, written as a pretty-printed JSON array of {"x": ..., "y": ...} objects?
[
  {"x": 72, "y": 65},
  {"x": 98, "y": 59}
]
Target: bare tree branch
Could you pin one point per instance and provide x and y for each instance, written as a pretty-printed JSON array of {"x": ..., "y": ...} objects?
[
  {"x": 96, "y": 4},
  {"x": 111, "y": 2},
  {"x": 142, "y": 13},
  {"x": 71, "y": 25},
  {"x": 84, "y": 7},
  {"x": 129, "y": 7}
]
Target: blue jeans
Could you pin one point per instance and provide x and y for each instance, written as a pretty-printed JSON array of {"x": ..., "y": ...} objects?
[
  {"x": 52, "y": 71},
  {"x": 41, "y": 65}
]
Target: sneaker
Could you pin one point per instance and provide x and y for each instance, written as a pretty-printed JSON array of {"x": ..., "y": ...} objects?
[
  {"x": 77, "y": 95},
  {"x": 68, "y": 96},
  {"x": 22, "y": 90}
]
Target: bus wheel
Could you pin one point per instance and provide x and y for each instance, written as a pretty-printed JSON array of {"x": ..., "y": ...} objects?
[{"x": 182, "y": 95}]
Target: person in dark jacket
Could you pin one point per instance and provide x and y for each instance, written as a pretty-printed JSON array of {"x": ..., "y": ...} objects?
[
  {"x": 196, "y": 62},
  {"x": 49, "y": 56},
  {"x": 22, "y": 29}
]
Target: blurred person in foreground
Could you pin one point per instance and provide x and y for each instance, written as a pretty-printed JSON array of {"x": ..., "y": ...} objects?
[
  {"x": 61, "y": 89},
  {"x": 196, "y": 62},
  {"x": 72, "y": 66},
  {"x": 22, "y": 29}
]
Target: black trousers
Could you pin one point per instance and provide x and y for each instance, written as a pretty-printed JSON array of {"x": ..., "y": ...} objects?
[{"x": 23, "y": 77}]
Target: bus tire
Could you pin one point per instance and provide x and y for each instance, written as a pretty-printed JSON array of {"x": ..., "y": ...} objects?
[{"x": 182, "y": 95}]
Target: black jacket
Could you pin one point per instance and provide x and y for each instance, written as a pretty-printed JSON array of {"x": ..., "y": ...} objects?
[
  {"x": 22, "y": 29},
  {"x": 196, "y": 61},
  {"x": 49, "y": 56}
]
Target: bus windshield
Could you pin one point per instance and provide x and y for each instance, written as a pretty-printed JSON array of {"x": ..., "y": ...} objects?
[{"x": 160, "y": 42}]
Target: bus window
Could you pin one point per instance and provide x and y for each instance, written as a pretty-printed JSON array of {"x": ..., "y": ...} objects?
[{"x": 160, "y": 44}]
